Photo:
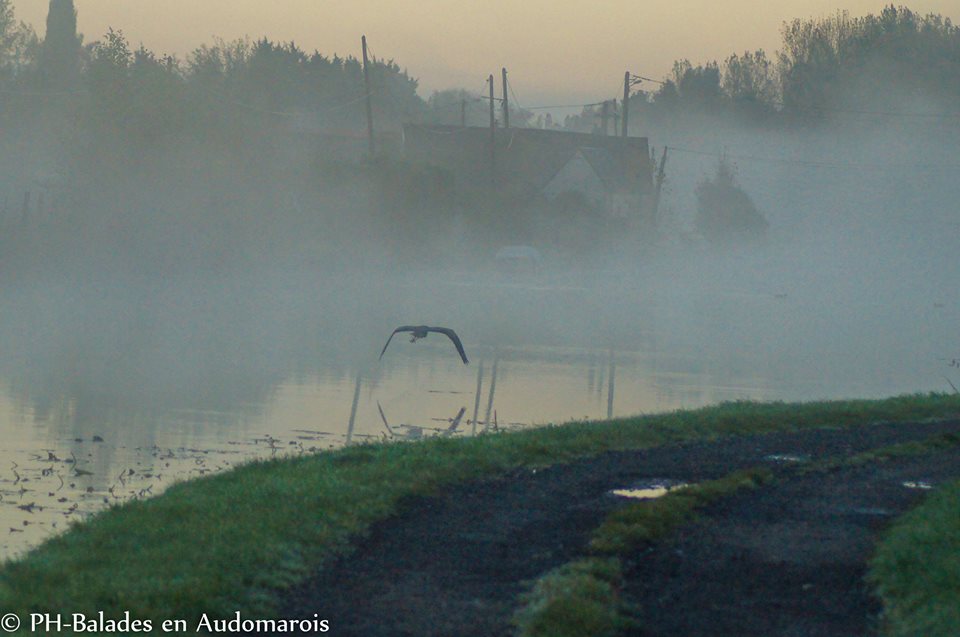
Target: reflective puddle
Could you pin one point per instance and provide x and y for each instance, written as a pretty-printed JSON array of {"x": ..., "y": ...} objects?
[
  {"x": 649, "y": 490},
  {"x": 786, "y": 458}
]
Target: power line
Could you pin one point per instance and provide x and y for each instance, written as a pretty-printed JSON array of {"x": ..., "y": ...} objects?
[
  {"x": 31, "y": 93},
  {"x": 534, "y": 108},
  {"x": 456, "y": 104},
  {"x": 854, "y": 111},
  {"x": 638, "y": 79},
  {"x": 814, "y": 163},
  {"x": 323, "y": 111},
  {"x": 516, "y": 100}
]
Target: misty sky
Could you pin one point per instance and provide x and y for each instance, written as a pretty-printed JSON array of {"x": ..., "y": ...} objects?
[{"x": 557, "y": 51}]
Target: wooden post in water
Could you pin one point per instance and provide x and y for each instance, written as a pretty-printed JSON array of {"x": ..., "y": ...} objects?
[
  {"x": 353, "y": 410},
  {"x": 610, "y": 385},
  {"x": 493, "y": 389},
  {"x": 476, "y": 402}
]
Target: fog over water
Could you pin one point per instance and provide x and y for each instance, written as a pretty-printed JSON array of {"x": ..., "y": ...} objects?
[
  {"x": 193, "y": 374},
  {"x": 199, "y": 266}
]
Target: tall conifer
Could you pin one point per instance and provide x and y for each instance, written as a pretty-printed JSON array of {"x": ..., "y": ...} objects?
[{"x": 60, "y": 55}]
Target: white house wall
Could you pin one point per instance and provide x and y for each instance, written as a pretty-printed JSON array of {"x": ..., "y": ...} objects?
[{"x": 577, "y": 176}]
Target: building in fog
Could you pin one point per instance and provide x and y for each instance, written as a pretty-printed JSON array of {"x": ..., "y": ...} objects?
[{"x": 610, "y": 178}]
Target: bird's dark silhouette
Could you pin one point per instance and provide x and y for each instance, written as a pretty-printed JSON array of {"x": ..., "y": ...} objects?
[{"x": 421, "y": 331}]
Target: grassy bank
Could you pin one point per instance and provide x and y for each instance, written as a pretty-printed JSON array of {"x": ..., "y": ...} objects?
[
  {"x": 232, "y": 541},
  {"x": 916, "y": 570}
]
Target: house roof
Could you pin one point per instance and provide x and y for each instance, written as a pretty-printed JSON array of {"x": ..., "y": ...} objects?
[
  {"x": 610, "y": 172},
  {"x": 528, "y": 158}
]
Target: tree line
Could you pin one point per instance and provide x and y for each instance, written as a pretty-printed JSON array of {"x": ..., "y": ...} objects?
[
  {"x": 825, "y": 66},
  {"x": 146, "y": 94}
]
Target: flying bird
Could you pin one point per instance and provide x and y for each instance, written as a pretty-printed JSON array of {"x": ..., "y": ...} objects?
[{"x": 421, "y": 331}]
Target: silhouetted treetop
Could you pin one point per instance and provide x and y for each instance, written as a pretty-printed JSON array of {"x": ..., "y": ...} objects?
[
  {"x": 60, "y": 54},
  {"x": 868, "y": 61},
  {"x": 897, "y": 61}
]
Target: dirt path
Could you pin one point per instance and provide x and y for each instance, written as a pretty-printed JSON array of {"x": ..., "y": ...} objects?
[
  {"x": 788, "y": 560},
  {"x": 455, "y": 564}
]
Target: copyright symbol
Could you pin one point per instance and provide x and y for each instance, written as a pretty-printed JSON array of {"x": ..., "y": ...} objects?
[{"x": 10, "y": 622}]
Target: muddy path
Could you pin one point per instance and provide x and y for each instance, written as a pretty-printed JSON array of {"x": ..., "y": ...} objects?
[
  {"x": 787, "y": 560},
  {"x": 454, "y": 564}
]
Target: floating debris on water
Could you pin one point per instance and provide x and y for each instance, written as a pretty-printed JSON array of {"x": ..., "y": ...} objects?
[{"x": 413, "y": 432}]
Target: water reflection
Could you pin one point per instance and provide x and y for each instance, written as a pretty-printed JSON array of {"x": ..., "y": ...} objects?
[{"x": 113, "y": 390}]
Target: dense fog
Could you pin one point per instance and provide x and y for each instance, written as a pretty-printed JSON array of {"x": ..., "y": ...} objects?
[{"x": 192, "y": 230}]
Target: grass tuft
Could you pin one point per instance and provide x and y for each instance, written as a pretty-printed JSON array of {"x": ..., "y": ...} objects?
[
  {"x": 579, "y": 598},
  {"x": 916, "y": 570},
  {"x": 634, "y": 525}
]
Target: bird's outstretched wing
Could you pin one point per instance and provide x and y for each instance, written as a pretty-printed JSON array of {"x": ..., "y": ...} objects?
[
  {"x": 402, "y": 328},
  {"x": 453, "y": 337}
]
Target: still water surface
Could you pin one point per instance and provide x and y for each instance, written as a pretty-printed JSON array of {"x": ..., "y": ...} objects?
[{"x": 113, "y": 391}]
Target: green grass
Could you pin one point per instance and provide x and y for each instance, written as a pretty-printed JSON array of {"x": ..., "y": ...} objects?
[
  {"x": 231, "y": 541},
  {"x": 639, "y": 523},
  {"x": 579, "y": 598},
  {"x": 916, "y": 570},
  {"x": 882, "y": 454}
]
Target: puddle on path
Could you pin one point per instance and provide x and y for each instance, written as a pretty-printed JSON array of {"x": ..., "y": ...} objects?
[
  {"x": 786, "y": 457},
  {"x": 649, "y": 489},
  {"x": 869, "y": 511}
]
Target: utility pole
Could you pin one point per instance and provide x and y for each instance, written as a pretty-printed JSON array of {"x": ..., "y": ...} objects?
[
  {"x": 506, "y": 103},
  {"x": 493, "y": 138},
  {"x": 366, "y": 84},
  {"x": 658, "y": 187},
  {"x": 626, "y": 102}
]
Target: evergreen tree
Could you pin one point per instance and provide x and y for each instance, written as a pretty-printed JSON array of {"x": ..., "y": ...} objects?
[
  {"x": 725, "y": 213},
  {"x": 60, "y": 55}
]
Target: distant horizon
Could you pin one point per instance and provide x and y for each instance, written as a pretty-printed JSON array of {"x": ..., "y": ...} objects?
[{"x": 556, "y": 54}]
